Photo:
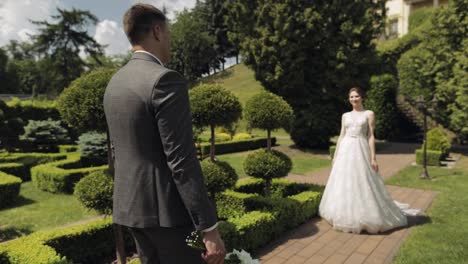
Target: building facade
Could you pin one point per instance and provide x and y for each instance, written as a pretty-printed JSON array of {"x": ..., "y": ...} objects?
[{"x": 398, "y": 12}]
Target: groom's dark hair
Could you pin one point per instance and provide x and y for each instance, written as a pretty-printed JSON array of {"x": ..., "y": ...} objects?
[{"x": 139, "y": 20}]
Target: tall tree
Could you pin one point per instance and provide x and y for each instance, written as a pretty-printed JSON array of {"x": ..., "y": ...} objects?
[
  {"x": 192, "y": 47},
  {"x": 30, "y": 71},
  {"x": 219, "y": 30},
  {"x": 20, "y": 50},
  {"x": 8, "y": 75},
  {"x": 62, "y": 41},
  {"x": 309, "y": 52}
]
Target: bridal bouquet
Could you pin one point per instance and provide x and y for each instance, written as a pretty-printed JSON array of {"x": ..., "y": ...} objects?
[{"x": 235, "y": 257}]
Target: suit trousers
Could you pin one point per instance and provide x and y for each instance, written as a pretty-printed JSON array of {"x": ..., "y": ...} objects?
[{"x": 160, "y": 245}]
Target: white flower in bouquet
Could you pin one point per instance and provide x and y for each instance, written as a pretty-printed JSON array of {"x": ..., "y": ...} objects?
[{"x": 240, "y": 257}]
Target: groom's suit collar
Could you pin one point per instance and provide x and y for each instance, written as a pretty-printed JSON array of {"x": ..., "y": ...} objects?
[{"x": 144, "y": 55}]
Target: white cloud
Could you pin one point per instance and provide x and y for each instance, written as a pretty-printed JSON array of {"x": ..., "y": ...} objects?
[
  {"x": 172, "y": 6},
  {"x": 15, "y": 16},
  {"x": 109, "y": 33}
]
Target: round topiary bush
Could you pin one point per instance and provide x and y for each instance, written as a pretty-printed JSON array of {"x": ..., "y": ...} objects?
[
  {"x": 213, "y": 106},
  {"x": 267, "y": 164},
  {"x": 438, "y": 140},
  {"x": 95, "y": 191},
  {"x": 219, "y": 176},
  {"x": 241, "y": 136},
  {"x": 269, "y": 112},
  {"x": 80, "y": 105},
  {"x": 45, "y": 134},
  {"x": 93, "y": 148}
]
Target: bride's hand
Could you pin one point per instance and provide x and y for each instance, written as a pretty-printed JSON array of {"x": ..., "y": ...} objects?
[{"x": 375, "y": 166}]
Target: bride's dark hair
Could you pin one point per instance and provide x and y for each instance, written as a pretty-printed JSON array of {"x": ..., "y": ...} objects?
[{"x": 358, "y": 90}]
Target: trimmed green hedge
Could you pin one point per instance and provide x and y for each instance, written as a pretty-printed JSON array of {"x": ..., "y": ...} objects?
[
  {"x": 254, "y": 220},
  {"x": 86, "y": 243},
  {"x": 28, "y": 160},
  {"x": 262, "y": 219},
  {"x": 61, "y": 176},
  {"x": 248, "y": 232},
  {"x": 37, "y": 110},
  {"x": 279, "y": 187},
  {"x": 433, "y": 157},
  {"x": 236, "y": 146},
  {"x": 231, "y": 204},
  {"x": 9, "y": 189},
  {"x": 16, "y": 169}
]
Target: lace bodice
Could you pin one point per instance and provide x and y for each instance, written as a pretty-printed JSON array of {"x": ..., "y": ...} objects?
[{"x": 356, "y": 124}]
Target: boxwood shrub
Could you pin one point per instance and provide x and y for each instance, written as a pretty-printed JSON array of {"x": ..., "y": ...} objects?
[
  {"x": 34, "y": 110},
  {"x": 95, "y": 191},
  {"x": 29, "y": 160},
  {"x": 236, "y": 146},
  {"x": 86, "y": 243},
  {"x": 61, "y": 176},
  {"x": 9, "y": 188},
  {"x": 260, "y": 220},
  {"x": 15, "y": 169},
  {"x": 433, "y": 157}
]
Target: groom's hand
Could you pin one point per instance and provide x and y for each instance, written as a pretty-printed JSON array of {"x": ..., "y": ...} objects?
[{"x": 215, "y": 251}]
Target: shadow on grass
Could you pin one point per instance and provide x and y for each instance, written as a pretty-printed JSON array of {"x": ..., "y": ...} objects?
[
  {"x": 418, "y": 220},
  {"x": 19, "y": 201},
  {"x": 8, "y": 233}
]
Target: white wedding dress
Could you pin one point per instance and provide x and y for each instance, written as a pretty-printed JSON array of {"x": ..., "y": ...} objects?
[{"x": 355, "y": 197}]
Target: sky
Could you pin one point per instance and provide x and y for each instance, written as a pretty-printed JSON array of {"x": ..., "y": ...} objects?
[{"x": 15, "y": 16}]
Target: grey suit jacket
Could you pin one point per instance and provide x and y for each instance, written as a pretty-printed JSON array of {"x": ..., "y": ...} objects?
[{"x": 158, "y": 179}]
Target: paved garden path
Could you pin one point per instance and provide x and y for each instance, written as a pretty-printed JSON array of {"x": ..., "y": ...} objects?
[{"x": 316, "y": 242}]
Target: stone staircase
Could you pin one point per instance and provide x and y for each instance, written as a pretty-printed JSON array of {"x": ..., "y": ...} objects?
[{"x": 413, "y": 114}]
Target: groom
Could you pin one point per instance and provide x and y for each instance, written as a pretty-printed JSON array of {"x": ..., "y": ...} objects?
[{"x": 159, "y": 191}]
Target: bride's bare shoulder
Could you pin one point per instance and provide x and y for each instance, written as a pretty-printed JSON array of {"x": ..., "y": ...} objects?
[{"x": 370, "y": 113}]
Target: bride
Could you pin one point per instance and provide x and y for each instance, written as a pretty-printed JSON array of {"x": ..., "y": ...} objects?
[{"x": 355, "y": 197}]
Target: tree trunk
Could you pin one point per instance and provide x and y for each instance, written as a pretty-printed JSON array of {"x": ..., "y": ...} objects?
[
  {"x": 267, "y": 187},
  {"x": 269, "y": 139},
  {"x": 424, "y": 173},
  {"x": 118, "y": 232},
  {"x": 237, "y": 58},
  {"x": 212, "y": 149}
]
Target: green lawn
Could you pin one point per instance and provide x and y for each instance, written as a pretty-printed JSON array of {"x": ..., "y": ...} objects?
[
  {"x": 36, "y": 210},
  {"x": 238, "y": 79},
  {"x": 445, "y": 238},
  {"x": 303, "y": 162}
]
